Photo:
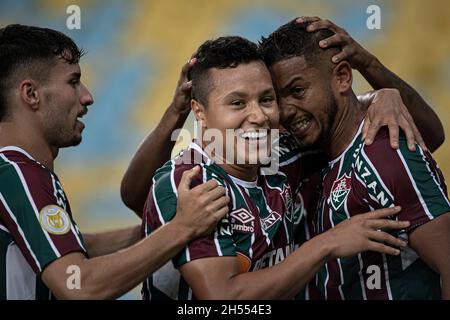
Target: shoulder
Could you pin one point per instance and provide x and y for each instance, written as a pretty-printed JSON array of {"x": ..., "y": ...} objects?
[{"x": 17, "y": 168}]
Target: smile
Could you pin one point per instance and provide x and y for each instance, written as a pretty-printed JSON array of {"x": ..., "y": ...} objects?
[
  {"x": 301, "y": 124},
  {"x": 254, "y": 135}
]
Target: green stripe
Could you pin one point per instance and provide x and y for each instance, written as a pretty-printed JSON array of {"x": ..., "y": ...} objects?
[
  {"x": 429, "y": 190},
  {"x": 14, "y": 193}
]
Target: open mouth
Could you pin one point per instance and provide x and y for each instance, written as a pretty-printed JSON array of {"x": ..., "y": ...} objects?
[{"x": 300, "y": 126}]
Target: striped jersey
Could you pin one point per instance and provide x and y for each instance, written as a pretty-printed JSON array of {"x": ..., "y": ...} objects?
[
  {"x": 365, "y": 178},
  {"x": 259, "y": 229},
  {"x": 36, "y": 225}
]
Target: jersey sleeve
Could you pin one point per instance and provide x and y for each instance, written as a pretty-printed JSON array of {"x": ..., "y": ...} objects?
[
  {"x": 401, "y": 177},
  {"x": 161, "y": 208},
  {"x": 35, "y": 211}
]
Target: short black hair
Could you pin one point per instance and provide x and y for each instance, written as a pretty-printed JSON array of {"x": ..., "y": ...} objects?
[
  {"x": 31, "y": 49},
  {"x": 221, "y": 53},
  {"x": 292, "y": 39}
]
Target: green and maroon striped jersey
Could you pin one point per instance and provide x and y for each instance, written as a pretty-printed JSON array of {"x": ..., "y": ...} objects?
[
  {"x": 364, "y": 178},
  {"x": 36, "y": 225},
  {"x": 259, "y": 228}
]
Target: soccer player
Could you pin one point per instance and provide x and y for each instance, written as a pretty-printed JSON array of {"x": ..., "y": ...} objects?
[
  {"x": 251, "y": 255},
  {"x": 42, "y": 101},
  {"x": 320, "y": 109}
]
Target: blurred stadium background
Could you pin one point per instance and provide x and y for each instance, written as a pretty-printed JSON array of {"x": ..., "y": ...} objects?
[{"x": 136, "y": 49}]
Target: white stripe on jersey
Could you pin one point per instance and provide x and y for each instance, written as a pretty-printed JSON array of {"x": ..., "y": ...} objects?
[
  {"x": 33, "y": 205},
  {"x": 155, "y": 201},
  {"x": 386, "y": 276},
  {"x": 413, "y": 183},
  {"x": 2, "y": 199},
  {"x": 172, "y": 179},
  {"x": 444, "y": 196},
  {"x": 3, "y": 228},
  {"x": 361, "y": 278},
  {"x": 20, "y": 278}
]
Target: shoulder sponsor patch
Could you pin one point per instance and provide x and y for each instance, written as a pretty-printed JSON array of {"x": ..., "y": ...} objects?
[{"x": 55, "y": 220}]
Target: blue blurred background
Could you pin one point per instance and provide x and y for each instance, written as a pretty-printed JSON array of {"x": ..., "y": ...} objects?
[{"x": 136, "y": 49}]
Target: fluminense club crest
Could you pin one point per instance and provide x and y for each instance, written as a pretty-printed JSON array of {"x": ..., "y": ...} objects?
[{"x": 339, "y": 191}]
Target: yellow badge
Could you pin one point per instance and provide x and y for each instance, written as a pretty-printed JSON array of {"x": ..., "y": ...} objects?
[{"x": 54, "y": 219}]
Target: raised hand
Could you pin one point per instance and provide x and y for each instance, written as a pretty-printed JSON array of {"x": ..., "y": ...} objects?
[{"x": 200, "y": 209}]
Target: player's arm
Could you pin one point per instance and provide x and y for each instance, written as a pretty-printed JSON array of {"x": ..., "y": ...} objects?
[
  {"x": 112, "y": 275},
  {"x": 156, "y": 148},
  {"x": 219, "y": 277},
  {"x": 102, "y": 243},
  {"x": 381, "y": 77},
  {"x": 432, "y": 242}
]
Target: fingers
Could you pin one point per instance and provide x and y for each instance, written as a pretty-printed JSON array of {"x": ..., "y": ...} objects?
[
  {"x": 387, "y": 238},
  {"x": 372, "y": 132},
  {"x": 365, "y": 128},
  {"x": 393, "y": 135},
  {"x": 220, "y": 203},
  {"x": 324, "y": 24},
  {"x": 334, "y": 41},
  {"x": 307, "y": 19},
  {"x": 379, "y": 224},
  {"x": 412, "y": 134},
  {"x": 216, "y": 193},
  {"x": 186, "y": 179},
  {"x": 383, "y": 213},
  {"x": 187, "y": 66},
  {"x": 409, "y": 133},
  {"x": 186, "y": 87},
  {"x": 219, "y": 214},
  {"x": 382, "y": 248},
  {"x": 207, "y": 186}
]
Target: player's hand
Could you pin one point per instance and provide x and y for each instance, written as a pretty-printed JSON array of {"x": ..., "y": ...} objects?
[
  {"x": 358, "y": 57},
  {"x": 181, "y": 102},
  {"x": 387, "y": 108},
  {"x": 363, "y": 232},
  {"x": 200, "y": 209}
]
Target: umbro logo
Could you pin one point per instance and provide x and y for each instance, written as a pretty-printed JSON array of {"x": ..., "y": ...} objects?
[
  {"x": 242, "y": 215},
  {"x": 240, "y": 219}
]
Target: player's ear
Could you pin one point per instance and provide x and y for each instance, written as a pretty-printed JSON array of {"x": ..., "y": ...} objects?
[
  {"x": 199, "y": 112},
  {"x": 29, "y": 94},
  {"x": 342, "y": 73}
]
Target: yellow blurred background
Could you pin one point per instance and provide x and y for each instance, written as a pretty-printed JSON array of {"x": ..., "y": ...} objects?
[{"x": 136, "y": 49}]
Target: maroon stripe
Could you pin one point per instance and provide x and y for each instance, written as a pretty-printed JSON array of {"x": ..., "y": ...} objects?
[
  {"x": 42, "y": 192},
  {"x": 9, "y": 223},
  {"x": 396, "y": 179},
  {"x": 373, "y": 258}
]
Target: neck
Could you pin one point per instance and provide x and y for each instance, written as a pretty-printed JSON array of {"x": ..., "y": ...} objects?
[
  {"x": 24, "y": 137},
  {"x": 249, "y": 173},
  {"x": 242, "y": 172},
  {"x": 348, "y": 118}
]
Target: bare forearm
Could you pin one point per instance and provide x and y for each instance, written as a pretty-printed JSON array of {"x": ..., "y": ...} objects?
[
  {"x": 426, "y": 119},
  {"x": 285, "y": 280},
  {"x": 103, "y": 243},
  {"x": 110, "y": 276},
  {"x": 153, "y": 152}
]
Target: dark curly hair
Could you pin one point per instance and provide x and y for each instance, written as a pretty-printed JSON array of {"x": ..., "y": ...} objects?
[
  {"x": 30, "y": 51},
  {"x": 221, "y": 53},
  {"x": 292, "y": 39}
]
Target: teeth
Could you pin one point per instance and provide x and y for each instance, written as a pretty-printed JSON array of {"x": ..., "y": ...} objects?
[
  {"x": 254, "y": 135},
  {"x": 303, "y": 123}
]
